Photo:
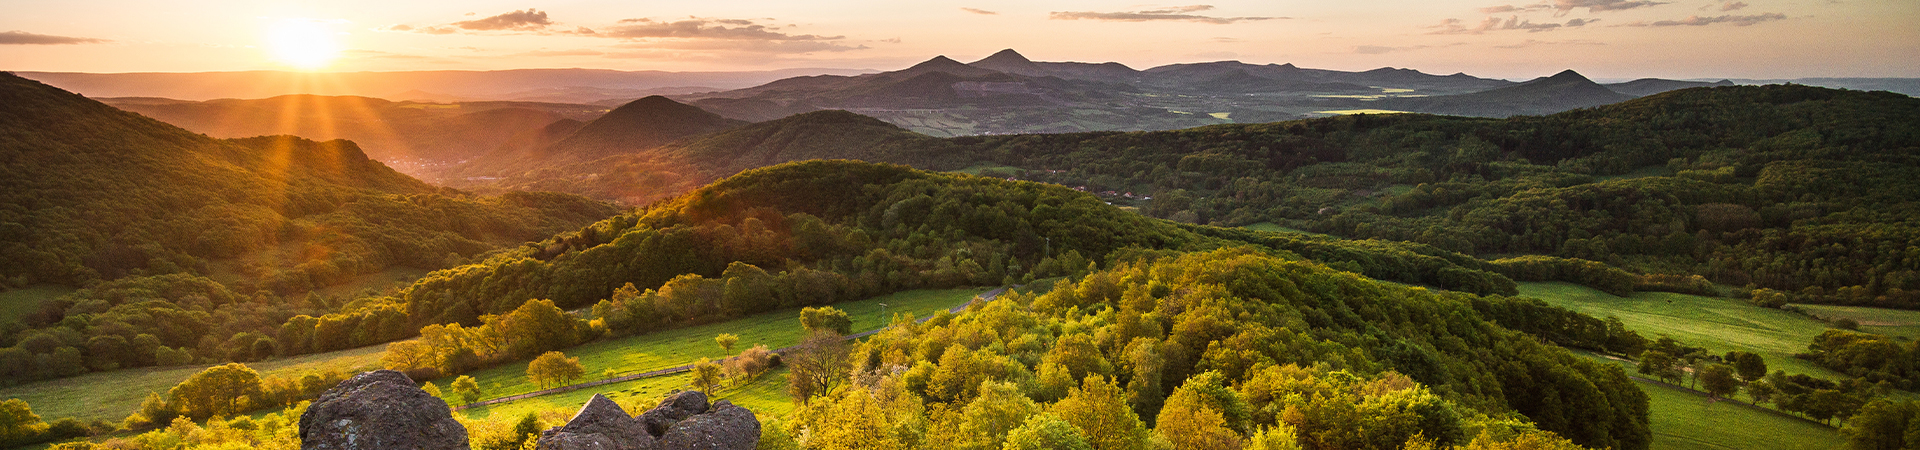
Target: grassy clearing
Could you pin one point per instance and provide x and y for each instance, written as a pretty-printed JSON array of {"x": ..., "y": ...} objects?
[
  {"x": 1643, "y": 172},
  {"x": 766, "y": 396},
  {"x": 977, "y": 168},
  {"x": 1685, "y": 420},
  {"x": 113, "y": 395},
  {"x": 1891, "y": 322},
  {"x": 1719, "y": 324},
  {"x": 17, "y": 303},
  {"x": 659, "y": 350},
  {"x": 1271, "y": 227}
]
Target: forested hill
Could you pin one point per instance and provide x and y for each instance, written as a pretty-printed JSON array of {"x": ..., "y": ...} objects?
[
  {"x": 1799, "y": 189},
  {"x": 94, "y": 194},
  {"x": 817, "y": 232}
]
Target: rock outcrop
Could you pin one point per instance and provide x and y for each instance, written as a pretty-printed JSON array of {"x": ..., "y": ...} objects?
[
  {"x": 380, "y": 410},
  {"x": 724, "y": 426},
  {"x": 683, "y": 421},
  {"x": 600, "y": 425}
]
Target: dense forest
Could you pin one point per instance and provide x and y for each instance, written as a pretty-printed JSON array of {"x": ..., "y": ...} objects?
[
  {"x": 1215, "y": 349},
  {"x": 1805, "y": 191},
  {"x": 197, "y": 249}
]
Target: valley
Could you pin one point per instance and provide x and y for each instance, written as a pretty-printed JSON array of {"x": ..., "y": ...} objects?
[{"x": 1216, "y": 255}]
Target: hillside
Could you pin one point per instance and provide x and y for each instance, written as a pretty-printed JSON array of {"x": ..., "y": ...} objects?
[
  {"x": 136, "y": 210},
  {"x": 421, "y": 139},
  {"x": 636, "y": 126},
  {"x": 1560, "y": 92}
]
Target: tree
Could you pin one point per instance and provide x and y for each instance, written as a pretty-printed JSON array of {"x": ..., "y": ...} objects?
[
  {"x": 726, "y": 341},
  {"x": 1045, "y": 431},
  {"x": 555, "y": 368},
  {"x": 408, "y": 355},
  {"x": 994, "y": 413},
  {"x": 706, "y": 376},
  {"x": 1884, "y": 425},
  {"x": 826, "y": 318},
  {"x": 1719, "y": 381},
  {"x": 18, "y": 423},
  {"x": 1750, "y": 366},
  {"x": 1660, "y": 365},
  {"x": 1761, "y": 390},
  {"x": 1099, "y": 409},
  {"x": 219, "y": 390},
  {"x": 466, "y": 388},
  {"x": 430, "y": 389},
  {"x": 816, "y": 365},
  {"x": 1193, "y": 420},
  {"x": 1280, "y": 437}
]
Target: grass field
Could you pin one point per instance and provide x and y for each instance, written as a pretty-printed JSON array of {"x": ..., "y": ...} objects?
[
  {"x": 977, "y": 168},
  {"x": 1276, "y": 228},
  {"x": 766, "y": 396},
  {"x": 1891, "y": 322},
  {"x": 17, "y": 303},
  {"x": 113, "y": 395},
  {"x": 659, "y": 350},
  {"x": 1719, "y": 324},
  {"x": 1683, "y": 419}
]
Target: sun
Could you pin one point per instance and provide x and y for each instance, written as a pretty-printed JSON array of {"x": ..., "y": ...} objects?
[{"x": 301, "y": 43}]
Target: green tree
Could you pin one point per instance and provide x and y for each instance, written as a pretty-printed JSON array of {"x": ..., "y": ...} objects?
[
  {"x": 1193, "y": 420},
  {"x": 430, "y": 389},
  {"x": 466, "y": 388},
  {"x": 554, "y": 368},
  {"x": 1660, "y": 365},
  {"x": 1719, "y": 380},
  {"x": 996, "y": 411},
  {"x": 826, "y": 318},
  {"x": 1279, "y": 437},
  {"x": 1044, "y": 431},
  {"x": 726, "y": 341},
  {"x": 705, "y": 376},
  {"x": 1884, "y": 425},
  {"x": 219, "y": 390},
  {"x": 1749, "y": 365}
]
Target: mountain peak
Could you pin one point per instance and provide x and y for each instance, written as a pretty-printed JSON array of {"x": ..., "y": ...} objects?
[
  {"x": 1007, "y": 56},
  {"x": 937, "y": 62},
  {"x": 944, "y": 64},
  {"x": 1569, "y": 75}
]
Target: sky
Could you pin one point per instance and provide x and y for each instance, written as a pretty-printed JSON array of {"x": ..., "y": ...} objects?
[{"x": 1603, "y": 39}]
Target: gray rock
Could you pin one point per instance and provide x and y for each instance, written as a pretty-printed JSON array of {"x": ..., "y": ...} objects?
[
  {"x": 672, "y": 410},
  {"x": 725, "y": 427},
  {"x": 380, "y": 410},
  {"x": 600, "y": 425}
]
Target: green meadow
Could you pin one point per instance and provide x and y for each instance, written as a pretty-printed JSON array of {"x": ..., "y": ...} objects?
[
  {"x": 1719, "y": 324},
  {"x": 659, "y": 350},
  {"x": 112, "y": 396},
  {"x": 1892, "y": 322}
]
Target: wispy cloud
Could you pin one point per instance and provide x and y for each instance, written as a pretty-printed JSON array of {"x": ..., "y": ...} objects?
[
  {"x": 1456, "y": 26},
  {"x": 980, "y": 11},
  {"x": 1532, "y": 42},
  {"x": 1730, "y": 6},
  {"x": 548, "y": 53},
  {"x": 1175, "y": 14},
  {"x": 24, "y": 38},
  {"x": 659, "y": 49},
  {"x": 1381, "y": 49},
  {"x": 1563, "y": 6},
  {"x": 697, "y": 28},
  {"x": 529, "y": 20},
  {"x": 1503, "y": 9},
  {"x": 1698, "y": 21}
]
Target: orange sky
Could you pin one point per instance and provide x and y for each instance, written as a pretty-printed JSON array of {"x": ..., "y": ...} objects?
[{"x": 1492, "y": 38}]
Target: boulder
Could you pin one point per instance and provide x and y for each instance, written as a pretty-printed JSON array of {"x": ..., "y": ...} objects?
[
  {"x": 380, "y": 410},
  {"x": 724, "y": 427},
  {"x": 600, "y": 425},
  {"x": 674, "y": 409}
]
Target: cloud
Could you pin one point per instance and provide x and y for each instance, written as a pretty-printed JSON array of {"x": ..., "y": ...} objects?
[
  {"x": 1697, "y": 21},
  {"x": 529, "y": 20},
  {"x": 543, "y": 53},
  {"x": 1729, "y": 6},
  {"x": 1531, "y": 42},
  {"x": 980, "y": 11},
  {"x": 762, "y": 47},
  {"x": 1226, "y": 40},
  {"x": 1510, "y": 8},
  {"x": 24, "y": 38},
  {"x": 1563, "y": 6},
  {"x": 1380, "y": 49},
  {"x": 1177, "y": 13},
  {"x": 1455, "y": 26},
  {"x": 697, "y": 28},
  {"x": 434, "y": 29}
]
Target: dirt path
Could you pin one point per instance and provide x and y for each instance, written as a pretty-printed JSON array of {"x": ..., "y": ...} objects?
[{"x": 988, "y": 296}]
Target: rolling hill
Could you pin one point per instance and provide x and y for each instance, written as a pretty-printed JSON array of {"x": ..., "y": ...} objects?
[{"x": 153, "y": 219}]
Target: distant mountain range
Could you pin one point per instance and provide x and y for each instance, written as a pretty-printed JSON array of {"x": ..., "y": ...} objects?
[{"x": 545, "y": 85}]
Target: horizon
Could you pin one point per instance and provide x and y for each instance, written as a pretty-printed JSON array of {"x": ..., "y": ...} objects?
[{"x": 1602, "y": 39}]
